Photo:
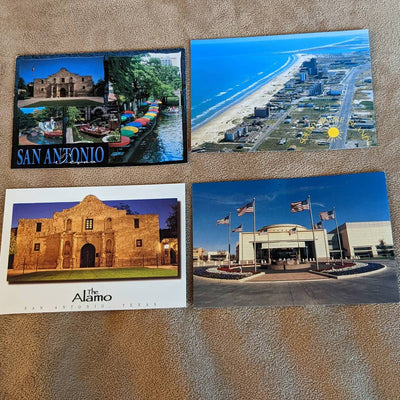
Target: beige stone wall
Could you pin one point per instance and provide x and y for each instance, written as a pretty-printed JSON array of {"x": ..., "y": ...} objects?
[
  {"x": 73, "y": 85},
  {"x": 127, "y": 250},
  {"x": 118, "y": 240}
]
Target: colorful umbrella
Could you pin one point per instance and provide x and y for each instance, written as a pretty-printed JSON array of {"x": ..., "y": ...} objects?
[
  {"x": 128, "y": 112},
  {"x": 134, "y": 123},
  {"x": 128, "y": 134},
  {"x": 123, "y": 118},
  {"x": 142, "y": 121},
  {"x": 130, "y": 128},
  {"x": 151, "y": 114}
]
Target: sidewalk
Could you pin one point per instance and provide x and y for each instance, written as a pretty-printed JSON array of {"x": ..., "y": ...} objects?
[{"x": 287, "y": 276}]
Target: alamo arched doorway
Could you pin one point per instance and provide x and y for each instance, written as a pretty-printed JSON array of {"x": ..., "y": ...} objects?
[{"x": 88, "y": 256}]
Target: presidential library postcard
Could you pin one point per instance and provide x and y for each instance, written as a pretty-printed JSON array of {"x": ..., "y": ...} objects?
[{"x": 300, "y": 241}]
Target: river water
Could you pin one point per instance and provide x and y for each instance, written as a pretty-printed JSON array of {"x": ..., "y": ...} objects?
[{"x": 164, "y": 144}]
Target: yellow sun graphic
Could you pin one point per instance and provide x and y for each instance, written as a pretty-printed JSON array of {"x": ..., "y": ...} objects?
[{"x": 333, "y": 133}]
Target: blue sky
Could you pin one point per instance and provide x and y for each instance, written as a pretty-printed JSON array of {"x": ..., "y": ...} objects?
[
  {"x": 47, "y": 65},
  {"x": 46, "y": 210},
  {"x": 356, "y": 198}
]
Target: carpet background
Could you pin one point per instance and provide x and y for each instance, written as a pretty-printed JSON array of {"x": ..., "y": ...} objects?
[{"x": 313, "y": 352}]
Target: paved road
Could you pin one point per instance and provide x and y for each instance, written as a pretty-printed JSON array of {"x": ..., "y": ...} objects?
[
  {"x": 345, "y": 110},
  {"x": 269, "y": 130},
  {"x": 380, "y": 287},
  {"x": 34, "y": 100}
]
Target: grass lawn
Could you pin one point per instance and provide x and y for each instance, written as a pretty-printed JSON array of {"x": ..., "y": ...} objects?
[{"x": 95, "y": 274}]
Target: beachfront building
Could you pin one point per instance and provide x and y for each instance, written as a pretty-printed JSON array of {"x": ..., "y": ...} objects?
[
  {"x": 283, "y": 241},
  {"x": 91, "y": 234},
  {"x": 261, "y": 112},
  {"x": 316, "y": 89},
  {"x": 63, "y": 84},
  {"x": 363, "y": 239}
]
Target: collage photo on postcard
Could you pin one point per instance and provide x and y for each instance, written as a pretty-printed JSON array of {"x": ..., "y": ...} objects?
[
  {"x": 295, "y": 92},
  {"x": 100, "y": 109}
]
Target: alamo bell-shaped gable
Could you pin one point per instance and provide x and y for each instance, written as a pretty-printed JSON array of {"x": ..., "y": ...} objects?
[{"x": 63, "y": 84}]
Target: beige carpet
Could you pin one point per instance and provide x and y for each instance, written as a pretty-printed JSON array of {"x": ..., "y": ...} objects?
[{"x": 310, "y": 352}]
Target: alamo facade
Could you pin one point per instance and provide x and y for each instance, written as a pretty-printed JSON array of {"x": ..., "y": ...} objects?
[
  {"x": 92, "y": 234},
  {"x": 63, "y": 84}
]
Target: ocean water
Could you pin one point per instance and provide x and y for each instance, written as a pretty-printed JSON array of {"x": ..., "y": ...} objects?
[{"x": 224, "y": 71}]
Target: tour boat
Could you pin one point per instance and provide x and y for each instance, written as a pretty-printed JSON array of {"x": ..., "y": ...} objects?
[
  {"x": 53, "y": 134},
  {"x": 94, "y": 131},
  {"x": 172, "y": 111}
]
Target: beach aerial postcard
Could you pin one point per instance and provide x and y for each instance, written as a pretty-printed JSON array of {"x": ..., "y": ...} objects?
[
  {"x": 93, "y": 248},
  {"x": 100, "y": 109},
  {"x": 293, "y": 242},
  {"x": 296, "y": 92}
]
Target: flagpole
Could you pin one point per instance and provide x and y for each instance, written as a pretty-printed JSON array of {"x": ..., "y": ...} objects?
[
  {"x": 241, "y": 249},
  {"x": 254, "y": 233},
  {"x": 229, "y": 242},
  {"x": 298, "y": 245},
  {"x": 313, "y": 232},
  {"x": 338, "y": 236},
  {"x": 326, "y": 248}
]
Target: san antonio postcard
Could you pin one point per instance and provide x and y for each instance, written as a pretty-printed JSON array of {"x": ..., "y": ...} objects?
[
  {"x": 295, "y": 92},
  {"x": 92, "y": 248},
  {"x": 288, "y": 242},
  {"x": 100, "y": 109}
]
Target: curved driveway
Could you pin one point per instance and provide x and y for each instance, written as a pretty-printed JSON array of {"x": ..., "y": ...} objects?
[{"x": 381, "y": 287}]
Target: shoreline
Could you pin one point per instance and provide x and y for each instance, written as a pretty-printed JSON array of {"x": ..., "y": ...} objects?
[{"x": 213, "y": 130}]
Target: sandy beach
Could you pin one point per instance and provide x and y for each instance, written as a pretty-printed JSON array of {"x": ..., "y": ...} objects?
[{"x": 213, "y": 130}]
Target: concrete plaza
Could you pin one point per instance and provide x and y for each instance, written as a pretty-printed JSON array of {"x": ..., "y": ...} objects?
[{"x": 380, "y": 287}]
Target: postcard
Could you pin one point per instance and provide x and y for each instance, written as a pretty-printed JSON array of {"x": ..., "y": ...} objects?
[
  {"x": 300, "y": 241},
  {"x": 100, "y": 109},
  {"x": 296, "y": 92},
  {"x": 93, "y": 248}
]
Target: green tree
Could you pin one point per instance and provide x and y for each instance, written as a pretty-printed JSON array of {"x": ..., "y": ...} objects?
[
  {"x": 136, "y": 77},
  {"x": 47, "y": 113},
  {"x": 172, "y": 220},
  {"x": 73, "y": 115},
  {"x": 99, "y": 88},
  {"x": 26, "y": 121},
  {"x": 22, "y": 89}
]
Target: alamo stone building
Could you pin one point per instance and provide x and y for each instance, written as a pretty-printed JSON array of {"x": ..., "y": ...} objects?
[
  {"x": 92, "y": 234},
  {"x": 63, "y": 84}
]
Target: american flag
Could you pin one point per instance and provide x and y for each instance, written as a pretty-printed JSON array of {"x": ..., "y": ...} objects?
[
  {"x": 299, "y": 206},
  {"x": 293, "y": 231},
  {"x": 223, "y": 221},
  {"x": 248, "y": 208},
  {"x": 238, "y": 229},
  {"x": 318, "y": 225},
  {"x": 327, "y": 215}
]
